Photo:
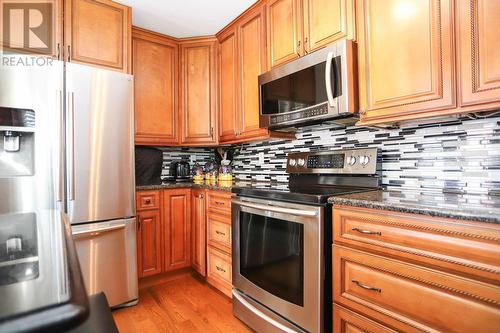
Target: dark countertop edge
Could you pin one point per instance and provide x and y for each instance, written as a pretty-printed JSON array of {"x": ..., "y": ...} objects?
[
  {"x": 183, "y": 185},
  {"x": 62, "y": 316},
  {"x": 408, "y": 208}
]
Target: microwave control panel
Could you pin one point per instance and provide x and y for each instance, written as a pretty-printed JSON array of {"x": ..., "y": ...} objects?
[{"x": 315, "y": 111}]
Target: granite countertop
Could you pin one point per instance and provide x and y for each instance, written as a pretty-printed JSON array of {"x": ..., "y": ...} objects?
[
  {"x": 221, "y": 186},
  {"x": 482, "y": 208}
]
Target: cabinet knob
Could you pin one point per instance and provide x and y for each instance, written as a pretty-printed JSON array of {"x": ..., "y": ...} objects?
[{"x": 147, "y": 201}]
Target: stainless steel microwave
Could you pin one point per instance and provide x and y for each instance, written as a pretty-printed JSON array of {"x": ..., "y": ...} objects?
[{"x": 319, "y": 86}]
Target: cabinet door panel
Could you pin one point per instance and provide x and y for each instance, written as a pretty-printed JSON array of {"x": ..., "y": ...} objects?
[
  {"x": 252, "y": 54},
  {"x": 229, "y": 83},
  {"x": 177, "y": 228},
  {"x": 479, "y": 54},
  {"x": 326, "y": 21},
  {"x": 98, "y": 32},
  {"x": 149, "y": 243},
  {"x": 198, "y": 93},
  {"x": 407, "y": 71},
  {"x": 198, "y": 232},
  {"x": 155, "y": 78},
  {"x": 284, "y": 31}
]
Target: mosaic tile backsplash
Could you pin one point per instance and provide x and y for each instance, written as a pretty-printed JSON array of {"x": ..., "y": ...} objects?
[
  {"x": 453, "y": 155},
  {"x": 193, "y": 155}
]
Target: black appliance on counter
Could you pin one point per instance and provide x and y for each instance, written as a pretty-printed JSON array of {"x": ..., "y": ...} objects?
[
  {"x": 148, "y": 165},
  {"x": 282, "y": 236},
  {"x": 180, "y": 171}
]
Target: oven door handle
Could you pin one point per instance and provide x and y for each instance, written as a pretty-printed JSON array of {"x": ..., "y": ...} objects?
[
  {"x": 276, "y": 209},
  {"x": 262, "y": 315},
  {"x": 328, "y": 78}
]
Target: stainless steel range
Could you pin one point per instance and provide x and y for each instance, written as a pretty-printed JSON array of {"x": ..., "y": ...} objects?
[{"x": 282, "y": 240}]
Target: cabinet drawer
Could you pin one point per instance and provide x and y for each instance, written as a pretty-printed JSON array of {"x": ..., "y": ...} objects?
[
  {"x": 412, "y": 298},
  {"x": 148, "y": 200},
  {"x": 219, "y": 272},
  {"x": 465, "y": 247},
  {"x": 219, "y": 202},
  {"x": 219, "y": 233},
  {"x": 346, "y": 321}
]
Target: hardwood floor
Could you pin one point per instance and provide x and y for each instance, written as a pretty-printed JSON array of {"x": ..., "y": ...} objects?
[{"x": 181, "y": 302}]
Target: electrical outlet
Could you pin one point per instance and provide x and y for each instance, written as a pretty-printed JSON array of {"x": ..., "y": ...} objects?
[{"x": 261, "y": 158}]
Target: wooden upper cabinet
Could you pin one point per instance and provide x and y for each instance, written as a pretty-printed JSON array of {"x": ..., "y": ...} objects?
[
  {"x": 177, "y": 228},
  {"x": 198, "y": 92},
  {"x": 326, "y": 21},
  {"x": 252, "y": 63},
  {"x": 479, "y": 54},
  {"x": 284, "y": 31},
  {"x": 149, "y": 251},
  {"x": 98, "y": 32},
  {"x": 406, "y": 59},
  {"x": 229, "y": 83},
  {"x": 155, "y": 69},
  {"x": 198, "y": 231}
]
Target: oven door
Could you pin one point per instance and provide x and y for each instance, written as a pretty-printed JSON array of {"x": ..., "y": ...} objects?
[{"x": 278, "y": 258}]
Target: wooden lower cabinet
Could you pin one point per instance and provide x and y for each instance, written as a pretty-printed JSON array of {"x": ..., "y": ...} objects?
[
  {"x": 198, "y": 231},
  {"x": 219, "y": 270},
  {"x": 346, "y": 321},
  {"x": 176, "y": 229},
  {"x": 184, "y": 227},
  {"x": 414, "y": 273},
  {"x": 149, "y": 243}
]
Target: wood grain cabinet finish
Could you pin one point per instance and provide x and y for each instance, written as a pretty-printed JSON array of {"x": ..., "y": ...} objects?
[
  {"x": 326, "y": 21},
  {"x": 219, "y": 270},
  {"x": 155, "y": 69},
  {"x": 252, "y": 63},
  {"x": 229, "y": 116},
  {"x": 98, "y": 32},
  {"x": 405, "y": 72},
  {"x": 284, "y": 31},
  {"x": 346, "y": 321},
  {"x": 219, "y": 202},
  {"x": 146, "y": 200},
  {"x": 468, "y": 248},
  {"x": 176, "y": 229},
  {"x": 198, "y": 231},
  {"x": 242, "y": 58},
  {"x": 478, "y": 54},
  {"x": 219, "y": 232},
  {"x": 411, "y": 298},
  {"x": 198, "y": 92},
  {"x": 149, "y": 249}
]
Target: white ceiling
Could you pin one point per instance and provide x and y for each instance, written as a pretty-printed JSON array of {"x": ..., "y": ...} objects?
[{"x": 185, "y": 18}]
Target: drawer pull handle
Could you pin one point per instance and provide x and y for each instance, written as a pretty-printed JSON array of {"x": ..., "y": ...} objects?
[
  {"x": 220, "y": 233},
  {"x": 220, "y": 203},
  {"x": 367, "y": 232},
  {"x": 220, "y": 269},
  {"x": 364, "y": 286},
  {"x": 147, "y": 201}
]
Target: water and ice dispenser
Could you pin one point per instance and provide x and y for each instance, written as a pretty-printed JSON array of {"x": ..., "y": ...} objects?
[{"x": 17, "y": 142}]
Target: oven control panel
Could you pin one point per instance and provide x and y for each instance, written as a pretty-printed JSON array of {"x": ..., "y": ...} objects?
[{"x": 352, "y": 161}]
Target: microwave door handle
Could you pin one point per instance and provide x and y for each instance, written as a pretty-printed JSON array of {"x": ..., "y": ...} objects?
[{"x": 328, "y": 78}]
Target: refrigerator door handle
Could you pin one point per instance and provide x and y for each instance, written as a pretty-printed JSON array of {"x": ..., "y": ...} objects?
[
  {"x": 96, "y": 232},
  {"x": 60, "y": 185},
  {"x": 71, "y": 157}
]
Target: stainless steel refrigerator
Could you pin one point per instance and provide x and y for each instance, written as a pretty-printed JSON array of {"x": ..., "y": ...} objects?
[{"x": 66, "y": 142}]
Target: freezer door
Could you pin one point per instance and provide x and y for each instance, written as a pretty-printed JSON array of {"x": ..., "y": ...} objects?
[
  {"x": 100, "y": 144},
  {"x": 108, "y": 259},
  {"x": 31, "y": 111}
]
